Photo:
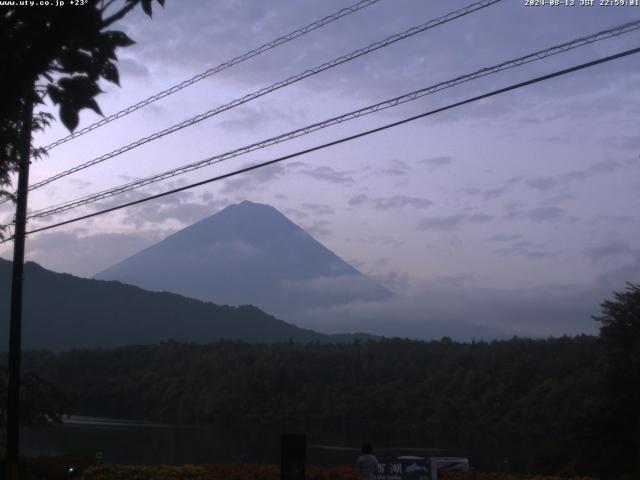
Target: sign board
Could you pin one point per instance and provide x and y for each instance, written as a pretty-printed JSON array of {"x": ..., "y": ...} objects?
[{"x": 404, "y": 469}]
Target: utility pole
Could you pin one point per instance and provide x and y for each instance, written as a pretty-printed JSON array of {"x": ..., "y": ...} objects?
[{"x": 15, "y": 326}]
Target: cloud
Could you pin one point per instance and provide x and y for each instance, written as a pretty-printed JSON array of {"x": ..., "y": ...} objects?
[
  {"x": 541, "y": 183},
  {"x": 79, "y": 184},
  {"x": 251, "y": 181},
  {"x": 110, "y": 202},
  {"x": 627, "y": 143},
  {"x": 435, "y": 163},
  {"x": 317, "y": 228},
  {"x": 616, "y": 278},
  {"x": 387, "y": 203},
  {"x": 452, "y": 222},
  {"x": 545, "y": 214},
  {"x": 406, "y": 65},
  {"x": 501, "y": 237},
  {"x": 397, "y": 282},
  {"x": 494, "y": 193},
  {"x": 464, "y": 313},
  {"x": 184, "y": 207},
  {"x": 486, "y": 194},
  {"x": 247, "y": 119},
  {"x": 525, "y": 249},
  {"x": 613, "y": 219},
  {"x": 548, "y": 183},
  {"x": 352, "y": 285},
  {"x": 457, "y": 280},
  {"x": 386, "y": 240},
  {"x": 82, "y": 253},
  {"x": 556, "y": 199},
  {"x": 479, "y": 218},
  {"x": 329, "y": 175},
  {"x": 312, "y": 210},
  {"x": 400, "y": 201},
  {"x": 612, "y": 248},
  {"x": 515, "y": 211},
  {"x": 130, "y": 67},
  {"x": 396, "y": 168},
  {"x": 255, "y": 180},
  {"x": 253, "y": 118},
  {"x": 359, "y": 199},
  {"x": 151, "y": 189},
  {"x": 318, "y": 209}
]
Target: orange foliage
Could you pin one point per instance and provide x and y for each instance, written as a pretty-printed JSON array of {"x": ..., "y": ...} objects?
[
  {"x": 266, "y": 472},
  {"x": 211, "y": 472},
  {"x": 272, "y": 472}
]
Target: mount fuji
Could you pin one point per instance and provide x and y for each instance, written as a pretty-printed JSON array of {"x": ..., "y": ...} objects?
[{"x": 248, "y": 253}]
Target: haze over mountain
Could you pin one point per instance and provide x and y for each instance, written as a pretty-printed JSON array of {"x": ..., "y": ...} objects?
[
  {"x": 61, "y": 311},
  {"x": 248, "y": 253}
]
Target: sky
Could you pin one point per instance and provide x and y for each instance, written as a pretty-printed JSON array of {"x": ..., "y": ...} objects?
[{"x": 515, "y": 215}]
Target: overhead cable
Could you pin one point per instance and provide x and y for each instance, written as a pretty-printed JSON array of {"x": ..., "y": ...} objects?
[
  {"x": 212, "y": 71},
  {"x": 536, "y": 56},
  {"x": 343, "y": 140},
  {"x": 276, "y": 86}
]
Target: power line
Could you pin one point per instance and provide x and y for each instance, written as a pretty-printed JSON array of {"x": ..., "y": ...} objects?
[
  {"x": 212, "y": 71},
  {"x": 539, "y": 55},
  {"x": 276, "y": 86},
  {"x": 345, "y": 139}
]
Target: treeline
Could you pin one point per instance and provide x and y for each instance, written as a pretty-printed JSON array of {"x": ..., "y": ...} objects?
[
  {"x": 485, "y": 385},
  {"x": 518, "y": 398}
]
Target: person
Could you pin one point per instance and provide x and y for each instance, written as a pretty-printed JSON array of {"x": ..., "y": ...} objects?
[{"x": 367, "y": 464}]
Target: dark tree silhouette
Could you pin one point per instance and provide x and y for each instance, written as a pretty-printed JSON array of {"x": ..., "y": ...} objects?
[
  {"x": 41, "y": 401},
  {"x": 60, "y": 53},
  {"x": 619, "y": 424}
]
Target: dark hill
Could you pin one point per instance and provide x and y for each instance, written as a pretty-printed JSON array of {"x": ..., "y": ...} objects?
[{"x": 62, "y": 311}]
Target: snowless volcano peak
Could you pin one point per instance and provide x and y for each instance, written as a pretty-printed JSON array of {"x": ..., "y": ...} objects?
[{"x": 247, "y": 253}]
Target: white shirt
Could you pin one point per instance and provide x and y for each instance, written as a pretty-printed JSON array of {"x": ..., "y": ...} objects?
[{"x": 367, "y": 466}]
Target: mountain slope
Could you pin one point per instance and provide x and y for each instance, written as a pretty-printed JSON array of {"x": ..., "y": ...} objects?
[
  {"x": 247, "y": 254},
  {"x": 61, "y": 311}
]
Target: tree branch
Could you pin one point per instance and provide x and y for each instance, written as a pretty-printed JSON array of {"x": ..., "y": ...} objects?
[
  {"x": 119, "y": 14},
  {"x": 103, "y": 7}
]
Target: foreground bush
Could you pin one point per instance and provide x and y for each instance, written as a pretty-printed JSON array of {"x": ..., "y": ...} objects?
[
  {"x": 210, "y": 472},
  {"x": 265, "y": 472},
  {"x": 272, "y": 472},
  {"x": 50, "y": 468},
  {"x": 56, "y": 468},
  {"x": 144, "y": 472}
]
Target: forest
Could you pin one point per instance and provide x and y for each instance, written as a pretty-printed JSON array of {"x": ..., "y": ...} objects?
[
  {"x": 396, "y": 381},
  {"x": 528, "y": 393},
  {"x": 560, "y": 405}
]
